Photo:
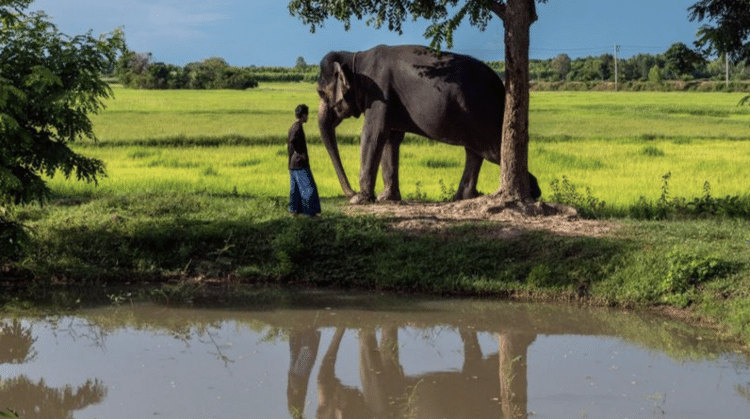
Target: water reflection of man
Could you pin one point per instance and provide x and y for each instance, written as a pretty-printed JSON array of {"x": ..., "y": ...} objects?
[{"x": 303, "y": 350}]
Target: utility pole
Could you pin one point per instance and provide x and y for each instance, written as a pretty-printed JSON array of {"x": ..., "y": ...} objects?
[
  {"x": 726, "y": 58},
  {"x": 617, "y": 48}
]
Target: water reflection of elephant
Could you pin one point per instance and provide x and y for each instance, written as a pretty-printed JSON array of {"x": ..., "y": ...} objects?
[
  {"x": 35, "y": 399},
  {"x": 492, "y": 386}
]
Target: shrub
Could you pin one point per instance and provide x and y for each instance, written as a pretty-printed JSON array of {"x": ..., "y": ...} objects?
[
  {"x": 13, "y": 240},
  {"x": 687, "y": 271},
  {"x": 565, "y": 193}
]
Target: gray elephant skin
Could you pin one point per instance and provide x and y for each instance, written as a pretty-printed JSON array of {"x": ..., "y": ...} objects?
[{"x": 452, "y": 98}]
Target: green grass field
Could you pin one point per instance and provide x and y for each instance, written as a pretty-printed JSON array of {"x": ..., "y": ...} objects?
[{"x": 618, "y": 144}]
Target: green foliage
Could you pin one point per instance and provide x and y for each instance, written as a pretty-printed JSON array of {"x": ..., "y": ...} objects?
[
  {"x": 704, "y": 206},
  {"x": 562, "y": 65},
  {"x": 50, "y": 84},
  {"x": 9, "y": 413},
  {"x": 654, "y": 75},
  {"x": 681, "y": 60},
  {"x": 393, "y": 13},
  {"x": 14, "y": 239},
  {"x": 418, "y": 194},
  {"x": 136, "y": 70},
  {"x": 685, "y": 271},
  {"x": 446, "y": 193},
  {"x": 730, "y": 30},
  {"x": 565, "y": 193}
]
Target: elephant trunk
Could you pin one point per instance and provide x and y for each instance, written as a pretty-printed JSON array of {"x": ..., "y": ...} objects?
[{"x": 327, "y": 123}]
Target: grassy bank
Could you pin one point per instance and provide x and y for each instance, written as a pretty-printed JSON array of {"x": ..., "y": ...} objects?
[
  {"x": 197, "y": 189},
  {"x": 95, "y": 244}
]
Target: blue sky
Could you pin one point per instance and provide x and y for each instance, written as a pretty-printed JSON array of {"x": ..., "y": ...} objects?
[{"x": 261, "y": 32}]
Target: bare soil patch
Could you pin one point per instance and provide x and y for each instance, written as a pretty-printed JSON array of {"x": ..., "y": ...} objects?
[{"x": 501, "y": 221}]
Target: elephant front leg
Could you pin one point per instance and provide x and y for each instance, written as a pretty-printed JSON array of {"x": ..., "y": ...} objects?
[
  {"x": 389, "y": 163},
  {"x": 374, "y": 137},
  {"x": 467, "y": 189},
  {"x": 368, "y": 171}
]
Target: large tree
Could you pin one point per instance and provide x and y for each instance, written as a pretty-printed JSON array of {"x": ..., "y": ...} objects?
[
  {"x": 49, "y": 85},
  {"x": 445, "y": 17},
  {"x": 681, "y": 60}
]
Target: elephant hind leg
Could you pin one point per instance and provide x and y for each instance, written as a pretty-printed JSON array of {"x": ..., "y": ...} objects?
[
  {"x": 467, "y": 189},
  {"x": 536, "y": 192}
]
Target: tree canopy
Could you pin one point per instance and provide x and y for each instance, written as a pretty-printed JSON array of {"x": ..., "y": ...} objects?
[
  {"x": 443, "y": 14},
  {"x": 49, "y": 85},
  {"x": 729, "y": 29}
]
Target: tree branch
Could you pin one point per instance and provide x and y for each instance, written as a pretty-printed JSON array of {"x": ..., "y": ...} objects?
[{"x": 499, "y": 8}]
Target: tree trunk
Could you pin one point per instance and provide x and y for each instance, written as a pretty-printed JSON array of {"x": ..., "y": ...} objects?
[{"x": 517, "y": 16}]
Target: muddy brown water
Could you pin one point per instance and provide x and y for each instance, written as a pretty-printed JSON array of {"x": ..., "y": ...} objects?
[{"x": 367, "y": 357}]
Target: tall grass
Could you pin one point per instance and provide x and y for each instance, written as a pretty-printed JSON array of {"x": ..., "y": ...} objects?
[{"x": 619, "y": 173}]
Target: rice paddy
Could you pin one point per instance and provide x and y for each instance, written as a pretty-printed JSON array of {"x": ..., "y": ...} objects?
[{"x": 618, "y": 144}]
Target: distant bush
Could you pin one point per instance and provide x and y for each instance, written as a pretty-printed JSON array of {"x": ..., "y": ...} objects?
[{"x": 136, "y": 70}]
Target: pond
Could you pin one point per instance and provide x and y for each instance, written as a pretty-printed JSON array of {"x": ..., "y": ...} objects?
[{"x": 357, "y": 356}]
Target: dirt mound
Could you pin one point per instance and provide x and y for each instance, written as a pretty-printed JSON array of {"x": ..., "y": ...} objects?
[{"x": 502, "y": 220}]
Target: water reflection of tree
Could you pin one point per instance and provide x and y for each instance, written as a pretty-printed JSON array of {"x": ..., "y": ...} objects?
[
  {"x": 35, "y": 400},
  {"x": 16, "y": 343}
]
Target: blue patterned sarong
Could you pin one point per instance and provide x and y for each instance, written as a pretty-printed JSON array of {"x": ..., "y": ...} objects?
[{"x": 303, "y": 193}]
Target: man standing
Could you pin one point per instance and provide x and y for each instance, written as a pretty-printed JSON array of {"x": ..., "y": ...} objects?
[{"x": 303, "y": 193}]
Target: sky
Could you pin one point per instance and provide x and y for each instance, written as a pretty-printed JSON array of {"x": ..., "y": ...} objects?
[{"x": 263, "y": 33}]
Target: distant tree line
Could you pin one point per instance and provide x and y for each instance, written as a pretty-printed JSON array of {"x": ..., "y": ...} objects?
[
  {"x": 139, "y": 71},
  {"x": 678, "y": 63}
]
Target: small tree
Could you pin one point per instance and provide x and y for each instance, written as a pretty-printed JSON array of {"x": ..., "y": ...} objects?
[
  {"x": 300, "y": 64},
  {"x": 654, "y": 75},
  {"x": 561, "y": 65},
  {"x": 49, "y": 85}
]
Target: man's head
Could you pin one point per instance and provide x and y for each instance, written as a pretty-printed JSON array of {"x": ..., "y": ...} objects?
[{"x": 301, "y": 112}]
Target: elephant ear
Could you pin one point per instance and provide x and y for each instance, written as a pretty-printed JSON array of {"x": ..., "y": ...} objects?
[{"x": 342, "y": 84}]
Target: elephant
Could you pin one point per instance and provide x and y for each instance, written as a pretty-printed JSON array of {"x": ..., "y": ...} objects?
[
  {"x": 448, "y": 97},
  {"x": 485, "y": 386}
]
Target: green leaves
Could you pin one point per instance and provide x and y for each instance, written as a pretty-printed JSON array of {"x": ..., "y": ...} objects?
[
  {"x": 730, "y": 32},
  {"x": 49, "y": 85},
  {"x": 9, "y": 413},
  {"x": 393, "y": 13}
]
